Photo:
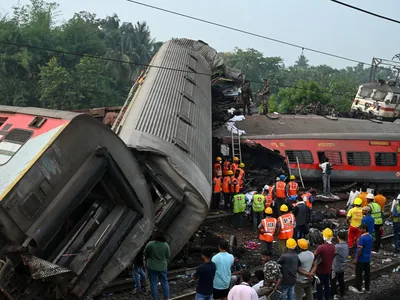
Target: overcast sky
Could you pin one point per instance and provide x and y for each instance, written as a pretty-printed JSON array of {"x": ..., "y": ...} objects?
[{"x": 318, "y": 24}]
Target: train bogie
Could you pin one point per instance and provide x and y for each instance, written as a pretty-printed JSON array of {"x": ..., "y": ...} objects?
[{"x": 75, "y": 207}]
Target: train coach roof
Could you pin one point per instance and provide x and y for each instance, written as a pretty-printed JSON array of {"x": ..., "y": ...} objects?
[
  {"x": 303, "y": 126},
  {"x": 35, "y": 111},
  {"x": 382, "y": 87}
]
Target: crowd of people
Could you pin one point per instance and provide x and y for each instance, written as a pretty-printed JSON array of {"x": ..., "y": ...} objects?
[{"x": 279, "y": 213}]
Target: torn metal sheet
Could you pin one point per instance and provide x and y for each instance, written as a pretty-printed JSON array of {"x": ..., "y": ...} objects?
[{"x": 41, "y": 268}]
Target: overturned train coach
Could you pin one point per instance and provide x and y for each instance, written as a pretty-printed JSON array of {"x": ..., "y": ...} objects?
[
  {"x": 77, "y": 201},
  {"x": 363, "y": 151}
]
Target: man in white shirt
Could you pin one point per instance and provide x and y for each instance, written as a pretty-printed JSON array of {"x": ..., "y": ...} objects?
[
  {"x": 243, "y": 291},
  {"x": 326, "y": 176},
  {"x": 260, "y": 276},
  {"x": 353, "y": 195}
]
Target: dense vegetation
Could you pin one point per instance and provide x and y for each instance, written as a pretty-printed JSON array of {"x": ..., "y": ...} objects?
[{"x": 38, "y": 76}]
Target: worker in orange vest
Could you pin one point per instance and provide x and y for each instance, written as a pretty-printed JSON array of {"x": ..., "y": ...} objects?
[
  {"x": 241, "y": 173},
  {"x": 279, "y": 193},
  {"x": 226, "y": 166},
  {"x": 218, "y": 167},
  {"x": 267, "y": 229},
  {"x": 269, "y": 202},
  {"x": 217, "y": 191},
  {"x": 235, "y": 164},
  {"x": 292, "y": 187},
  {"x": 234, "y": 187},
  {"x": 286, "y": 225},
  {"x": 308, "y": 197},
  {"x": 226, "y": 187}
]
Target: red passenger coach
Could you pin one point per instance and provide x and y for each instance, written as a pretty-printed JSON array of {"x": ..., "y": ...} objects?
[{"x": 360, "y": 150}]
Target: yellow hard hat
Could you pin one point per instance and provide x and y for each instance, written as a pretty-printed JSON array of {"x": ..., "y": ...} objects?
[
  {"x": 327, "y": 233},
  {"x": 268, "y": 211},
  {"x": 303, "y": 244},
  {"x": 219, "y": 158},
  {"x": 284, "y": 207},
  {"x": 291, "y": 243},
  {"x": 292, "y": 177},
  {"x": 235, "y": 158},
  {"x": 242, "y": 165},
  {"x": 357, "y": 201},
  {"x": 230, "y": 172}
]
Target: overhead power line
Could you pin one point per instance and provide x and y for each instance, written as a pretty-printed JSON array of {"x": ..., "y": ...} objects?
[
  {"x": 247, "y": 32},
  {"x": 366, "y": 11},
  {"x": 152, "y": 66}
]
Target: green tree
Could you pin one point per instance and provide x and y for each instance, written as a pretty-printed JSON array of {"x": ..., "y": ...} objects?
[{"x": 56, "y": 86}]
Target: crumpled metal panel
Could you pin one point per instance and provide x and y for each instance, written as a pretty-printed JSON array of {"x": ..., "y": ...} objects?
[{"x": 41, "y": 268}]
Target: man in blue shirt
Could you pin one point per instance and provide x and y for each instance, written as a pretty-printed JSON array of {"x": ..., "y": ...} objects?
[
  {"x": 363, "y": 260},
  {"x": 396, "y": 223},
  {"x": 205, "y": 274},
  {"x": 222, "y": 280},
  {"x": 368, "y": 219}
]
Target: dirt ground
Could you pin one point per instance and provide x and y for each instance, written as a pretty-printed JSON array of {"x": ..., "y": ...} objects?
[{"x": 211, "y": 230}]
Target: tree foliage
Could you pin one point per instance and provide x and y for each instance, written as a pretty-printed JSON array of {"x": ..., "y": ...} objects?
[{"x": 39, "y": 77}]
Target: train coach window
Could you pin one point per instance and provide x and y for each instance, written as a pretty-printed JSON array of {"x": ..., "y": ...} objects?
[
  {"x": 304, "y": 156},
  {"x": 12, "y": 142},
  {"x": 335, "y": 157},
  {"x": 358, "y": 158},
  {"x": 37, "y": 122},
  {"x": 386, "y": 159}
]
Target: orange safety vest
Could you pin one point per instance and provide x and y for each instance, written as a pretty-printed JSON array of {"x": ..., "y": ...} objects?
[
  {"x": 269, "y": 226},
  {"x": 235, "y": 188},
  {"x": 241, "y": 173},
  {"x": 268, "y": 200},
  {"x": 280, "y": 189},
  {"x": 286, "y": 223},
  {"x": 217, "y": 169},
  {"x": 217, "y": 185},
  {"x": 271, "y": 189},
  {"x": 227, "y": 167},
  {"x": 307, "y": 201},
  {"x": 234, "y": 167},
  {"x": 226, "y": 184},
  {"x": 293, "y": 188}
]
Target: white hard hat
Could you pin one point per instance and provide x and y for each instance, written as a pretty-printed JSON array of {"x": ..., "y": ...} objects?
[
  {"x": 277, "y": 179},
  {"x": 370, "y": 196}
]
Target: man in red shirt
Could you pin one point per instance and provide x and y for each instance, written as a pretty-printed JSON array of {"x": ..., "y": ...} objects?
[{"x": 322, "y": 267}]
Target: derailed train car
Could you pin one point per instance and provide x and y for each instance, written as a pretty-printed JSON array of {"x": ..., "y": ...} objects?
[
  {"x": 168, "y": 123},
  {"x": 74, "y": 205}
]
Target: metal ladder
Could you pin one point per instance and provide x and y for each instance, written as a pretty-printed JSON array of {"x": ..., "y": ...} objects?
[
  {"x": 116, "y": 127},
  {"x": 298, "y": 167},
  {"x": 236, "y": 148}
]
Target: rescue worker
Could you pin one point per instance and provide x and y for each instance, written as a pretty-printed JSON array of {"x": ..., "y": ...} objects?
[
  {"x": 258, "y": 208},
  {"x": 308, "y": 197},
  {"x": 279, "y": 192},
  {"x": 363, "y": 197},
  {"x": 377, "y": 214},
  {"x": 302, "y": 214},
  {"x": 226, "y": 187},
  {"x": 218, "y": 167},
  {"x": 292, "y": 187},
  {"x": 217, "y": 191},
  {"x": 354, "y": 217},
  {"x": 269, "y": 202},
  {"x": 235, "y": 184},
  {"x": 395, "y": 215},
  {"x": 267, "y": 229},
  {"x": 239, "y": 206},
  {"x": 246, "y": 96},
  {"x": 235, "y": 165},
  {"x": 264, "y": 93},
  {"x": 241, "y": 173},
  {"x": 226, "y": 166},
  {"x": 381, "y": 200},
  {"x": 286, "y": 227}
]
